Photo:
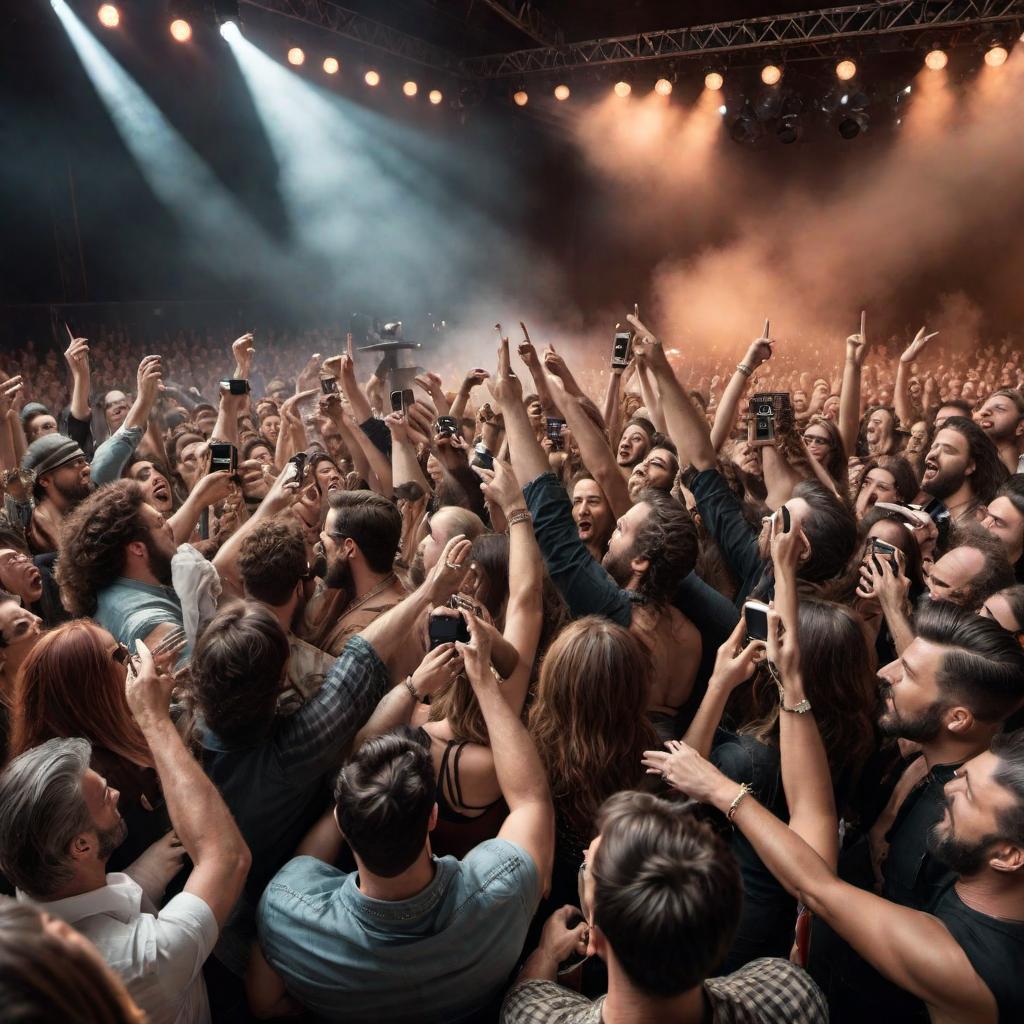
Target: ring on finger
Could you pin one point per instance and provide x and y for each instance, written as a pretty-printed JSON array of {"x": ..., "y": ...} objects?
[{"x": 452, "y": 565}]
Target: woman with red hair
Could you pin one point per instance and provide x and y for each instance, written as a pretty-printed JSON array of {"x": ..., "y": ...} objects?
[{"x": 72, "y": 684}]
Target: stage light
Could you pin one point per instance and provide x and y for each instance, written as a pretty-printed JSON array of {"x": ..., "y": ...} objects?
[
  {"x": 996, "y": 56},
  {"x": 435, "y": 96},
  {"x": 331, "y": 65},
  {"x": 845, "y": 70},
  {"x": 520, "y": 98},
  {"x": 663, "y": 87},
  {"x": 372, "y": 77},
  {"x": 109, "y": 15},
  {"x": 746, "y": 128},
  {"x": 936, "y": 60},
  {"x": 623, "y": 89},
  {"x": 714, "y": 81},
  {"x": 852, "y": 124},
  {"x": 181, "y": 30},
  {"x": 296, "y": 56},
  {"x": 723, "y": 110},
  {"x": 771, "y": 74},
  {"x": 230, "y": 30},
  {"x": 561, "y": 92},
  {"x": 410, "y": 89}
]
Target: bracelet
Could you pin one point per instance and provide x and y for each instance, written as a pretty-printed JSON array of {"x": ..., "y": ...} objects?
[
  {"x": 523, "y": 515},
  {"x": 744, "y": 369},
  {"x": 745, "y": 789},
  {"x": 801, "y": 707},
  {"x": 412, "y": 690}
]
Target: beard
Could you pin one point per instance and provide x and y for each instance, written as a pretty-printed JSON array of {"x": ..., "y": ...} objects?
[
  {"x": 417, "y": 570},
  {"x": 944, "y": 483},
  {"x": 159, "y": 562},
  {"x": 339, "y": 575},
  {"x": 921, "y": 729},
  {"x": 73, "y": 493},
  {"x": 618, "y": 567},
  {"x": 959, "y": 855},
  {"x": 108, "y": 840}
]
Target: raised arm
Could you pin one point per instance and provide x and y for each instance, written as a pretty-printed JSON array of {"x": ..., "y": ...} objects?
[
  {"x": 243, "y": 350},
  {"x": 405, "y": 467},
  {"x": 760, "y": 351},
  {"x": 912, "y": 949},
  {"x": 149, "y": 387},
  {"x": 901, "y": 394},
  {"x": 652, "y": 401},
  {"x": 529, "y": 356},
  {"x": 686, "y": 425},
  {"x": 473, "y": 379},
  {"x": 201, "y": 820},
  {"x": 77, "y": 355},
  {"x": 529, "y": 460},
  {"x": 524, "y": 785},
  {"x": 9, "y": 390},
  {"x": 611, "y": 411},
  {"x": 344, "y": 368},
  {"x": 849, "y": 393}
]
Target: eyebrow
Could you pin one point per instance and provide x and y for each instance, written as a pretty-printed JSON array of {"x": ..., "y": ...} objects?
[{"x": 906, "y": 668}]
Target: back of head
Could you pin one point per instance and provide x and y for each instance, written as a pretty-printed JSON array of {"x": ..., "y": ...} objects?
[
  {"x": 666, "y": 893},
  {"x": 996, "y": 572},
  {"x": 903, "y": 474},
  {"x": 372, "y": 521},
  {"x": 64, "y": 664},
  {"x": 831, "y": 529},
  {"x": 668, "y": 539},
  {"x": 272, "y": 560},
  {"x": 44, "y": 978},
  {"x": 93, "y": 542},
  {"x": 385, "y": 797},
  {"x": 459, "y": 520},
  {"x": 989, "y": 472},
  {"x": 589, "y": 718},
  {"x": 983, "y": 665},
  {"x": 1009, "y": 749},
  {"x": 41, "y": 811},
  {"x": 237, "y": 669}
]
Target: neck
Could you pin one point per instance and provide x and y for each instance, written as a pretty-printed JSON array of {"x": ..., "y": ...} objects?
[
  {"x": 284, "y": 613},
  {"x": 945, "y": 749},
  {"x": 995, "y": 893},
  {"x": 57, "y": 503},
  {"x": 626, "y": 1005},
  {"x": 12, "y": 663},
  {"x": 958, "y": 501},
  {"x": 1009, "y": 453},
  {"x": 365, "y": 579},
  {"x": 409, "y": 883},
  {"x": 88, "y": 878},
  {"x": 140, "y": 571}
]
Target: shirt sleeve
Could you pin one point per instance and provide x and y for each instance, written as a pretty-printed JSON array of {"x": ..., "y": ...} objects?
[
  {"x": 586, "y": 587},
  {"x": 112, "y": 456},
  {"x": 81, "y": 431},
  {"x": 722, "y": 514},
  {"x": 184, "y": 934},
  {"x": 377, "y": 431},
  {"x": 312, "y": 741},
  {"x": 546, "y": 1002}
]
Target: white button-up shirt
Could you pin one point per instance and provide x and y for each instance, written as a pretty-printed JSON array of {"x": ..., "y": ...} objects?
[{"x": 159, "y": 955}]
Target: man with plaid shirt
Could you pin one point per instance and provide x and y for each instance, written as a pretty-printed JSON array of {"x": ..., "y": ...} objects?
[{"x": 661, "y": 898}]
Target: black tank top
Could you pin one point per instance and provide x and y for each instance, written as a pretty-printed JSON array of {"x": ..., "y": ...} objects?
[
  {"x": 456, "y": 834},
  {"x": 995, "y": 949}
]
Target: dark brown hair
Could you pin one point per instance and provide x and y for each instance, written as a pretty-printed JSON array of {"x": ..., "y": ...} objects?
[
  {"x": 372, "y": 521},
  {"x": 272, "y": 559}
]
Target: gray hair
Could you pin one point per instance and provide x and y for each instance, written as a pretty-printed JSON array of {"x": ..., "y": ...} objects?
[{"x": 42, "y": 809}]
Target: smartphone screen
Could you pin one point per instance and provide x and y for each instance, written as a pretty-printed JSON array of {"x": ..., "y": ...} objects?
[
  {"x": 755, "y": 613},
  {"x": 621, "y": 346}
]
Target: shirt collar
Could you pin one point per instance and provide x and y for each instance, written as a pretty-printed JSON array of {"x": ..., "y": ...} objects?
[
  {"x": 157, "y": 589},
  {"x": 396, "y": 911},
  {"x": 120, "y": 898}
]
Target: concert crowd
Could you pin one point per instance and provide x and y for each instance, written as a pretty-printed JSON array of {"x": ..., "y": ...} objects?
[{"x": 629, "y": 685}]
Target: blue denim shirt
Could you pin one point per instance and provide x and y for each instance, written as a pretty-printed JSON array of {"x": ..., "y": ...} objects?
[
  {"x": 440, "y": 956},
  {"x": 130, "y": 610}
]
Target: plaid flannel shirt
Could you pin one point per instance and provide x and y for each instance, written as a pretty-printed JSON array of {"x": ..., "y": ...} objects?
[{"x": 766, "y": 991}]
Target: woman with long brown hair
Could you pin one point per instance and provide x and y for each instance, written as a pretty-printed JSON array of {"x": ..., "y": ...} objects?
[
  {"x": 590, "y": 723},
  {"x": 72, "y": 684}
]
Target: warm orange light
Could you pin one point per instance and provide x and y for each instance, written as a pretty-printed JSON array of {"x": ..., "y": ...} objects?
[
  {"x": 623, "y": 89},
  {"x": 296, "y": 56},
  {"x": 410, "y": 88},
  {"x": 771, "y": 74},
  {"x": 372, "y": 77},
  {"x": 181, "y": 30},
  {"x": 109, "y": 15},
  {"x": 561, "y": 92},
  {"x": 713, "y": 81},
  {"x": 519, "y": 98},
  {"x": 435, "y": 96},
  {"x": 663, "y": 87},
  {"x": 936, "y": 60},
  {"x": 845, "y": 70},
  {"x": 331, "y": 65},
  {"x": 996, "y": 57}
]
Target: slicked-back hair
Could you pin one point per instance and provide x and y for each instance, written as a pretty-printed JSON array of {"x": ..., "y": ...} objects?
[
  {"x": 372, "y": 521},
  {"x": 42, "y": 809},
  {"x": 982, "y": 667},
  {"x": 831, "y": 529},
  {"x": 989, "y": 472},
  {"x": 272, "y": 559},
  {"x": 667, "y": 893},
  {"x": 1009, "y": 748},
  {"x": 668, "y": 539},
  {"x": 384, "y": 798}
]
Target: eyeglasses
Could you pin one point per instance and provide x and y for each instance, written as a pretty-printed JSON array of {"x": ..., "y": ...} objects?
[{"x": 810, "y": 439}]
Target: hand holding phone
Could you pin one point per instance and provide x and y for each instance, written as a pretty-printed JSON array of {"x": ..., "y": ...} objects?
[{"x": 755, "y": 615}]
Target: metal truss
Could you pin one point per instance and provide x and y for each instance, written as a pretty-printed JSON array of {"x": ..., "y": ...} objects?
[
  {"x": 811, "y": 28},
  {"x": 362, "y": 30},
  {"x": 528, "y": 19}
]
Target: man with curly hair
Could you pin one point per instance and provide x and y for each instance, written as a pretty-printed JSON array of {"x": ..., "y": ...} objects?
[{"x": 114, "y": 565}]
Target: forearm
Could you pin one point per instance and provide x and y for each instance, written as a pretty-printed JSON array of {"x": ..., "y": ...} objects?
[
  {"x": 899, "y": 624},
  {"x": 183, "y": 522},
  {"x": 441, "y": 403},
  {"x": 7, "y": 457},
  {"x": 597, "y": 456},
  {"x": 701, "y": 732},
  {"x": 539, "y": 966},
  {"x": 394, "y": 709},
  {"x": 779, "y": 477},
  {"x": 226, "y": 427},
  {"x": 901, "y": 395},
  {"x": 849, "y": 406},
  {"x": 405, "y": 467},
  {"x": 649, "y": 393},
  {"x": 529, "y": 460},
  {"x": 458, "y": 409},
  {"x": 524, "y": 614},
  {"x": 356, "y": 399},
  {"x": 725, "y": 417},
  {"x": 80, "y": 395},
  {"x": 389, "y": 635},
  {"x": 138, "y": 414},
  {"x": 611, "y": 404},
  {"x": 18, "y": 441},
  {"x": 687, "y": 428},
  {"x": 376, "y": 460},
  {"x": 359, "y": 460},
  {"x": 806, "y": 779},
  {"x": 540, "y": 383}
]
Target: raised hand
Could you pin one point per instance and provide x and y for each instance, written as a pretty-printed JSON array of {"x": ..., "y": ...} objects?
[
  {"x": 735, "y": 663},
  {"x": 77, "y": 355},
  {"x": 783, "y": 647},
  {"x": 288, "y": 405},
  {"x": 243, "y": 350},
  {"x": 476, "y": 655},
  {"x": 506, "y": 386},
  {"x": 149, "y": 379},
  {"x": 857, "y": 344},
  {"x": 447, "y": 575},
  {"x": 760, "y": 350},
  {"x": 914, "y": 349},
  {"x": 437, "y": 671},
  {"x": 647, "y": 350},
  {"x": 501, "y": 486},
  {"x": 8, "y": 393},
  {"x": 684, "y": 769},
  {"x": 146, "y": 688}
]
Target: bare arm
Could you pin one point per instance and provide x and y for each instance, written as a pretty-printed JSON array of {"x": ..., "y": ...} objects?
[
  {"x": 77, "y": 355},
  {"x": 725, "y": 418},
  {"x": 528, "y": 354},
  {"x": 849, "y": 393},
  {"x": 9, "y": 390},
  {"x": 199, "y": 815},
  {"x": 149, "y": 386},
  {"x": 649, "y": 393},
  {"x": 901, "y": 393},
  {"x": 529, "y": 460},
  {"x": 473, "y": 379},
  {"x": 611, "y": 403},
  {"x": 346, "y": 374},
  {"x": 405, "y": 467},
  {"x": 377, "y": 462},
  {"x": 209, "y": 490}
]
